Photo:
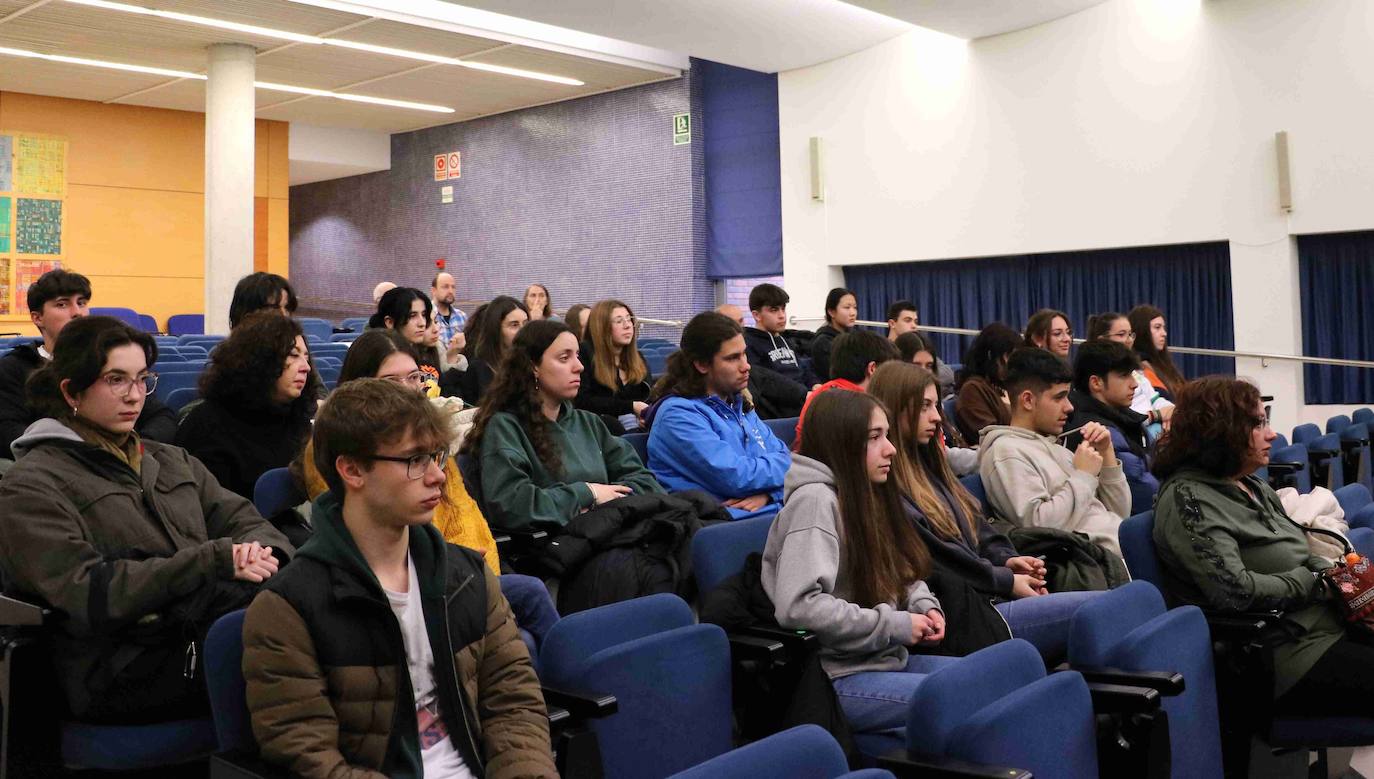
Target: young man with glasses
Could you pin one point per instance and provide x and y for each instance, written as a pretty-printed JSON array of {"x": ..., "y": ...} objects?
[
  {"x": 58, "y": 297},
  {"x": 382, "y": 650}
]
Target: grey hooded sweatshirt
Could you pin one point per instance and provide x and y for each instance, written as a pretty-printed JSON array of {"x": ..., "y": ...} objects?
[
  {"x": 804, "y": 575},
  {"x": 1031, "y": 482}
]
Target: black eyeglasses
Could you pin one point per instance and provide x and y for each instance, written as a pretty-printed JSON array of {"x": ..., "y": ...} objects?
[{"x": 417, "y": 464}]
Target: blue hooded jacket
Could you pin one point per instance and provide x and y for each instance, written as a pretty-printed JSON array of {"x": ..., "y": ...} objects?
[{"x": 716, "y": 446}]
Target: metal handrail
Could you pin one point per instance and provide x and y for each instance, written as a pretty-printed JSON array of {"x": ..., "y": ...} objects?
[{"x": 1172, "y": 349}]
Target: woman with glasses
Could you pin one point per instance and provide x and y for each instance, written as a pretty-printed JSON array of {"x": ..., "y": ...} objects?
[
  {"x": 1050, "y": 330},
  {"x": 134, "y": 544},
  {"x": 1147, "y": 400},
  {"x": 260, "y": 394},
  {"x": 385, "y": 354},
  {"x": 542, "y": 460},
  {"x": 618, "y": 384},
  {"x": 1225, "y": 543}
]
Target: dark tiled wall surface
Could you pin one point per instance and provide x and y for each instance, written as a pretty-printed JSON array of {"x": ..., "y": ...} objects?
[{"x": 589, "y": 197}]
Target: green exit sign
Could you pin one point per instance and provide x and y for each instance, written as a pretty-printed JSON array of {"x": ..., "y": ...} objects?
[{"x": 682, "y": 129}]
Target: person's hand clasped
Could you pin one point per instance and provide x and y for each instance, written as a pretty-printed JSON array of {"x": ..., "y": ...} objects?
[
  {"x": 254, "y": 562},
  {"x": 1026, "y": 586},
  {"x": 751, "y": 503}
]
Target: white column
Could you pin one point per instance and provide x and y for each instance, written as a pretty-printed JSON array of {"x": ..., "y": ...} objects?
[
  {"x": 1268, "y": 318},
  {"x": 229, "y": 155}
]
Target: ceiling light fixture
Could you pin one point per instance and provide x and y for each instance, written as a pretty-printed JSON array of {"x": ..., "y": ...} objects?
[
  {"x": 315, "y": 40},
  {"x": 6, "y": 51}
]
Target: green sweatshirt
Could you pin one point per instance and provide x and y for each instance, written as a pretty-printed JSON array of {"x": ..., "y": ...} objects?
[
  {"x": 1223, "y": 550},
  {"x": 518, "y": 490}
]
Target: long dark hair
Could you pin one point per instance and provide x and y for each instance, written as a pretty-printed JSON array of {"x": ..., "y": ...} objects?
[
  {"x": 1211, "y": 428},
  {"x": 79, "y": 357},
  {"x": 514, "y": 390},
  {"x": 882, "y": 552},
  {"x": 395, "y": 304},
  {"x": 1159, "y": 359},
  {"x": 1100, "y": 325},
  {"x": 984, "y": 356},
  {"x": 369, "y": 351},
  {"x": 901, "y": 386},
  {"x": 1040, "y": 325},
  {"x": 244, "y": 368},
  {"x": 701, "y": 339},
  {"x": 487, "y": 345},
  {"x": 258, "y": 291}
]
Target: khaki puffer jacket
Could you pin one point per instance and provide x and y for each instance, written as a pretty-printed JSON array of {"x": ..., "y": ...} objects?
[{"x": 328, "y": 685}]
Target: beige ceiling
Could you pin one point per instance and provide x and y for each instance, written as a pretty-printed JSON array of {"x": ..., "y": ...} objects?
[{"x": 59, "y": 27}]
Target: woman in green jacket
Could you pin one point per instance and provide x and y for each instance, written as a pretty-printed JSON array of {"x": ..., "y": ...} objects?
[
  {"x": 541, "y": 460},
  {"x": 1225, "y": 543}
]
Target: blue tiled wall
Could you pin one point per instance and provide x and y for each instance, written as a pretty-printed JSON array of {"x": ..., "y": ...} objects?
[{"x": 589, "y": 197}]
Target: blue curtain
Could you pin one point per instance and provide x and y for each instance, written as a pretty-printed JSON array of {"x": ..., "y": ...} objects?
[
  {"x": 739, "y": 130},
  {"x": 1191, "y": 283},
  {"x": 1336, "y": 281}
]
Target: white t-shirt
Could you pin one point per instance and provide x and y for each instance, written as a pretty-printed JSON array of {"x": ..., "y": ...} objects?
[{"x": 441, "y": 758}]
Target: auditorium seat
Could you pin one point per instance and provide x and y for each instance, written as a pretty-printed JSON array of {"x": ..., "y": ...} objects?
[
  {"x": 171, "y": 381},
  {"x": 1363, "y": 416},
  {"x": 719, "y": 551},
  {"x": 180, "y": 397},
  {"x": 355, "y": 323},
  {"x": 147, "y": 324},
  {"x": 784, "y": 429},
  {"x": 276, "y": 490},
  {"x": 314, "y": 326},
  {"x": 344, "y": 338},
  {"x": 185, "y": 324},
  {"x": 1337, "y": 423},
  {"x": 126, "y": 315},
  {"x": 670, "y": 678},
  {"x": 1244, "y": 701},
  {"x": 640, "y": 443},
  {"x": 974, "y": 484},
  {"x": 803, "y": 752}
]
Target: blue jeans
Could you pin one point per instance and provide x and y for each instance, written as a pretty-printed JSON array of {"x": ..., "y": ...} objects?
[
  {"x": 877, "y": 700},
  {"x": 532, "y": 606},
  {"x": 1044, "y": 621}
]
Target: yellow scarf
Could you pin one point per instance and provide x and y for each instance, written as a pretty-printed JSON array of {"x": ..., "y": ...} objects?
[{"x": 126, "y": 446}]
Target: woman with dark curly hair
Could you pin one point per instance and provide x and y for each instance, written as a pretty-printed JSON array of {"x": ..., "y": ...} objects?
[
  {"x": 1225, "y": 543},
  {"x": 543, "y": 461},
  {"x": 260, "y": 394}
]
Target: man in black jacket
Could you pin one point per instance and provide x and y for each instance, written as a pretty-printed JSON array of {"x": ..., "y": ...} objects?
[
  {"x": 58, "y": 297},
  {"x": 786, "y": 379}
]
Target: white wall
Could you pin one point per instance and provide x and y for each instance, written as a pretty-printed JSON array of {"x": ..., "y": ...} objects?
[
  {"x": 1136, "y": 122},
  {"x": 323, "y": 153}
]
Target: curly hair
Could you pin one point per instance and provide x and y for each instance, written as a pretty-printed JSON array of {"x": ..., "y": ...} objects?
[
  {"x": 514, "y": 390},
  {"x": 244, "y": 368},
  {"x": 1211, "y": 428}
]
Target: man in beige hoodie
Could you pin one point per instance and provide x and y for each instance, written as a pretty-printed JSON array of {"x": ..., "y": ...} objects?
[{"x": 1032, "y": 481}]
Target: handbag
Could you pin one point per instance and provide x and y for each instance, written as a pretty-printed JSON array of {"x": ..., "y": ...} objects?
[{"x": 1351, "y": 579}]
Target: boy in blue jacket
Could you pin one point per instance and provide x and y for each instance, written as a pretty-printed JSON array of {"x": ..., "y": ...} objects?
[
  {"x": 1103, "y": 386},
  {"x": 703, "y": 432}
]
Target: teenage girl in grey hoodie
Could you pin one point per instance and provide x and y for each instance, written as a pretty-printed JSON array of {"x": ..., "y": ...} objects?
[{"x": 843, "y": 562}]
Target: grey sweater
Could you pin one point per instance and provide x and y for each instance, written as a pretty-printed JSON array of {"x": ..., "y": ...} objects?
[
  {"x": 1031, "y": 482},
  {"x": 805, "y": 576}
]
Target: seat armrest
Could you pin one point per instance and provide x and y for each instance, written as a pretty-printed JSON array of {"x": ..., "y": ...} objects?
[
  {"x": 18, "y": 613},
  {"x": 1316, "y": 455},
  {"x": 1120, "y": 699},
  {"x": 1278, "y": 468},
  {"x": 1168, "y": 683},
  {"x": 579, "y": 704},
  {"x": 904, "y": 765},
  {"x": 1257, "y": 627},
  {"x": 794, "y": 640},
  {"x": 756, "y": 649}
]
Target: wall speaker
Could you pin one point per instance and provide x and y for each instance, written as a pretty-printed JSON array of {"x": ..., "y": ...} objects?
[
  {"x": 1285, "y": 175},
  {"x": 817, "y": 169}
]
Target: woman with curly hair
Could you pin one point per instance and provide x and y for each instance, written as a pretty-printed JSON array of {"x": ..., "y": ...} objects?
[
  {"x": 1225, "y": 543},
  {"x": 260, "y": 394},
  {"x": 543, "y": 461}
]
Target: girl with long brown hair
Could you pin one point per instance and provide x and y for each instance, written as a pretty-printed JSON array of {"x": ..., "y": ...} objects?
[
  {"x": 951, "y": 523},
  {"x": 843, "y": 561},
  {"x": 617, "y": 386},
  {"x": 1152, "y": 344}
]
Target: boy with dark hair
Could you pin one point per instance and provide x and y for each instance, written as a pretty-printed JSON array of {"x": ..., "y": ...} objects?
[
  {"x": 381, "y": 650},
  {"x": 1104, "y": 385},
  {"x": 1030, "y": 480},
  {"x": 903, "y": 318},
  {"x": 56, "y": 298},
  {"x": 767, "y": 346},
  {"x": 856, "y": 355}
]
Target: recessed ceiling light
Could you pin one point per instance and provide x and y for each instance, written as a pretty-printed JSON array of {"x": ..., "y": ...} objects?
[
  {"x": 315, "y": 40},
  {"x": 6, "y": 51}
]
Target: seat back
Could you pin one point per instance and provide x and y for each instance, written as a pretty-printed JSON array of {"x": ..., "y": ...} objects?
[
  {"x": 1337, "y": 423},
  {"x": 719, "y": 551},
  {"x": 178, "y": 398},
  {"x": 472, "y": 480},
  {"x": 953, "y": 693},
  {"x": 578, "y": 636},
  {"x": 803, "y": 752},
  {"x": 640, "y": 443},
  {"x": 1128, "y": 628},
  {"x": 320, "y": 328},
  {"x": 974, "y": 484},
  {"x": 354, "y": 323},
  {"x": 784, "y": 429},
  {"x": 126, "y": 315},
  {"x": 1046, "y": 727},
  {"x": 1362, "y": 416},
  {"x": 147, "y": 324},
  {"x": 672, "y": 690},
  {"x": 1295, "y": 453},
  {"x": 1136, "y": 535},
  {"x": 224, "y": 681},
  {"x": 186, "y": 324},
  {"x": 1353, "y": 497},
  {"x": 949, "y": 407},
  {"x": 171, "y": 381},
  {"x": 1306, "y": 432},
  {"x": 276, "y": 490}
]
